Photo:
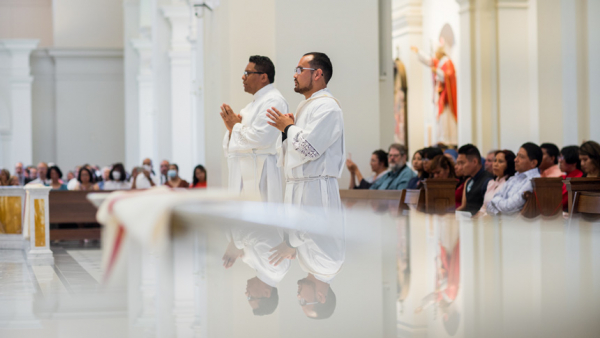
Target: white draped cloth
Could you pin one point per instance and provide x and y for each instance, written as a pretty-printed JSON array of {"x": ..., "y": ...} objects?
[
  {"x": 313, "y": 154},
  {"x": 251, "y": 150},
  {"x": 257, "y": 243}
]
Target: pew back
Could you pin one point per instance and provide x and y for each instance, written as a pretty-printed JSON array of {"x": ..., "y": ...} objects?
[
  {"x": 546, "y": 198},
  {"x": 579, "y": 184},
  {"x": 439, "y": 195}
]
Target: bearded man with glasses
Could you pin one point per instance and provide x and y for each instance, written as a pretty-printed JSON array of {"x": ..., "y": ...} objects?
[{"x": 249, "y": 143}]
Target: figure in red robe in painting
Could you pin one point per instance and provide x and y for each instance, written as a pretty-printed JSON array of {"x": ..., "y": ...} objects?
[{"x": 444, "y": 79}]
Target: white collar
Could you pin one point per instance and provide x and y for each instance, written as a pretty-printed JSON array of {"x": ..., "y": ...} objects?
[
  {"x": 263, "y": 91},
  {"x": 325, "y": 91}
]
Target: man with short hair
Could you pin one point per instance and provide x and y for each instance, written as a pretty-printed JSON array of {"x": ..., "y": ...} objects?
[
  {"x": 19, "y": 173},
  {"x": 399, "y": 175},
  {"x": 250, "y": 143},
  {"x": 312, "y": 141},
  {"x": 510, "y": 199},
  {"x": 549, "y": 165},
  {"x": 569, "y": 163},
  {"x": 146, "y": 178},
  {"x": 42, "y": 171},
  {"x": 164, "y": 169},
  {"x": 469, "y": 158},
  {"x": 489, "y": 161},
  {"x": 32, "y": 173}
]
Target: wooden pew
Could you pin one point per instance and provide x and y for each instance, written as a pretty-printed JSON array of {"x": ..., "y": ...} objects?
[
  {"x": 439, "y": 195},
  {"x": 412, "y": 199},
  {"x": 72, "y": 207},
  {"x": 578, "y": 185},
  {"x": 546, "y": 198}
]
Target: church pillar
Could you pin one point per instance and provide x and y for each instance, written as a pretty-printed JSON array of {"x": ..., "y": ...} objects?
[
  {"x": 16, "y": 136},
  {"x": 407, "y": 30},
  {"x": 181, "y": 91},
  {"x": 593, "y": 67}
]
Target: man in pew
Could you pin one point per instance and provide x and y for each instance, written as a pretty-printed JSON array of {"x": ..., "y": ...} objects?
[
  {"x": 549, "y": 166},
  {"x": 42, "y": 172},
  {"x": 469, "y": 158},
  {"x": 399, "y": 175},
  {"x": 510, "y": 199},
  {"x": 568, "y": 162}
]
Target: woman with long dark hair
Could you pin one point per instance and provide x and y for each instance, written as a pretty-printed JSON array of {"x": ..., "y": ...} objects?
[
  {"x": 199, "y": 180},
  {"x": 503, "y": 169}
]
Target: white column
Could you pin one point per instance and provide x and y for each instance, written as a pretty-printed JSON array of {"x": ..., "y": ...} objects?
[
  {"x": 147, "y": 114},
  {"x": 465, "y": 74},
  {"x": 518, "y": 113},
  {"x": 15, "y": 103},
  {"x": 181, "y": 91},
  {"x": 39, "y": 226},
  {"x": 593, "y": 68},
  {"x": 407, "y": 31}
]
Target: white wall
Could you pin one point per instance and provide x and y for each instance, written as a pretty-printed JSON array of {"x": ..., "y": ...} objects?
[
  {"x": 44, "y": 107},
  {"x": 26, "y": 19},
  {"x": 88, "y": 23}
]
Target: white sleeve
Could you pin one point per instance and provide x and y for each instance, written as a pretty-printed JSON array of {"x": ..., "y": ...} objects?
[
  {"x": 426, "y": 60},
  {"x": 259, "y": 134}
]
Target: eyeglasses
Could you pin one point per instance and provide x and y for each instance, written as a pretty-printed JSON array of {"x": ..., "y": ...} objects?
[
  {"x": 299, "y": 70},
  {"x": 249, "y": 298},
  {"x": 303, "y": 302},
  {"x": 394, "y": 155},
  {"x": 246, "y": 74}
]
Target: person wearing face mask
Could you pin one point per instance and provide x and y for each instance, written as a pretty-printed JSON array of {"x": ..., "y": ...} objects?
[
  {"x": 174, "y": 181},
  {"x": 146, "y": 178},
  {"x": 117, "y": 178}
]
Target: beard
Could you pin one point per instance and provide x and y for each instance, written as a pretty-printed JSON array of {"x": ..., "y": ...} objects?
[
  {"x": 395, "y": 167},
  {"x": 302, "y": 90}
]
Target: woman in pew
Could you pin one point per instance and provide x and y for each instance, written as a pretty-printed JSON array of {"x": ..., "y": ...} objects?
[
  {"x": 417, "y": 164},
  {"x": 569, "y": 163},
  {"x": 4, "y": 177},
  {"x": 589, "y": 155},
  {"x": 460, "y": 186},
  {"x": 117, "y": 179},
  {"x": 199, "y": 180},
  {"x": 442, "y": 167},
  {"x": 14, "y": 181},
  {"x": 174, "y": 180},
  {"x": 85, "y": 180},
  {"x": 54, "y": 175},
  {"x": 503, "y": 169}
]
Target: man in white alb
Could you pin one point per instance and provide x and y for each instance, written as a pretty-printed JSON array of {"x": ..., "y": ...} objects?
[
  {"x": 249, "y": 142},
  {"x": 312, "y": 143}
]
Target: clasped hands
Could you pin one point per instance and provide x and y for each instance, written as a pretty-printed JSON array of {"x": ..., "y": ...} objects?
[
  {"x": 229, "y": 117},
  {"x": 279, "y": 120}
]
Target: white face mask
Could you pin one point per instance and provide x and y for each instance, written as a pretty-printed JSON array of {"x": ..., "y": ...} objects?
[
  {"x": 147, "y": 167},
  {"x": 116, "y": 175}
]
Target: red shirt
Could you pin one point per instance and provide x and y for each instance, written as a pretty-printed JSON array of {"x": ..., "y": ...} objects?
[
  {"x": 199, "y": 185},
  {"x": 458, "y": 193},
  {"x": 565, "y": 193}
]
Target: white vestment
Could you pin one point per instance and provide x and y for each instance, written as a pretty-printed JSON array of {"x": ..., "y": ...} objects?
[
  {"x": 257, "y": 243},
  {"x": 251, "y": 150},
  {"x": 313, "y": 154}
]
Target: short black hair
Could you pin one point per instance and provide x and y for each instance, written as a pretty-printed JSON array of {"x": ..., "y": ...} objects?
[
  {"x": 267, "y": 306},
  {"x": 534, "y": 152},
  {"x": 570, "y": 155},
  {"x": 60, "y": 174},
  {"x": 321, "y": 61},
  {"x": 194, "y": 179},
  {"x": 120, "y": 168},
  {"x": 264, "y": 65},
  {"x": 88, "y": 171},
  {"x": 470, "y": 151},
  {"x": 552, "y": 150},
  {"x": 325, "y": 310},
  {"x": 382, "y": 157},
  {"x": 431, "y": 152}
]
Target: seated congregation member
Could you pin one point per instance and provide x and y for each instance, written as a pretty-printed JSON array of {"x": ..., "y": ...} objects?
[
  {"x": 549, "y": 166},
  {"x": 503, "y": 169},
  {"x": 105, "y": 178},
  {"x": 173, "y": 179},
  {"x": 460, "y": 186},
  {"x": 30, "y": 174},
  {"x": 428, "y": 154},
  {"x": 85, "y": 180},
  {"x": 14, "y": 181},
  {"x": 589, "y": 155},
  {"x": 117, "y": 179},
  {"x": 417, "y": 164},
  {"x": 489, "y": 161},
  {"x": 54, "y": 176},
  {"x": 442, "y": 167},
  {"x": 399, "y": 175},
  {"x": 568, "y": 162},
  {"x": 146, "y": 178},
  {"x": 379, "y": 167},
  {"x": 451, "y": 154},
  {"x": 476, "y": 185},
  {"x": 199, "y": 180},
  {"x": 510, "y": 199},
  {"x": 4, "y": 177},
  {"x": 72, "y": 183},
  {"x": 42, "y": 173}
]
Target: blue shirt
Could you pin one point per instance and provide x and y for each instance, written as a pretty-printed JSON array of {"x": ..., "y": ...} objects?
[
  {"x": 394, "y": 180},
  {"x": 510, "y": 199}
]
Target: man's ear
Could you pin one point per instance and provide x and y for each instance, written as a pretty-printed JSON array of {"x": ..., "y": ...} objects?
[
  {"x": 321, "y": 298},
  {"x": 267, "y": 292}
]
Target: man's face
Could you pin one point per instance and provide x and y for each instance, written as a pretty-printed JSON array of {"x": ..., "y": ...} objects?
[
  {"x": 547, "y": 161},
  {"x": 33, "y": 173},
  {"x": 307, "y": 293},
  {"x": 147, "y": 162},
  {"x": 42, "y": 169},
  {"x": 523, "y": 163},
  {"x": 394, "y": 158},
  {"x": 468, "y": 166},
  {"x": 489, "y": 163},
  {"x": 105, "y": 174},
  {"x": 19, "y": 168},
  {"x": 255, "y": 291},
  {"x": 164, "y": 167},
  {"x": 252, "y": 82},
  {"x": 303, "y": 82}
]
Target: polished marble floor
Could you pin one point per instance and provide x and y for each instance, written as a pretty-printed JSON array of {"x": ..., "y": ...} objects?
[{"x": 374, "y": 273}]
